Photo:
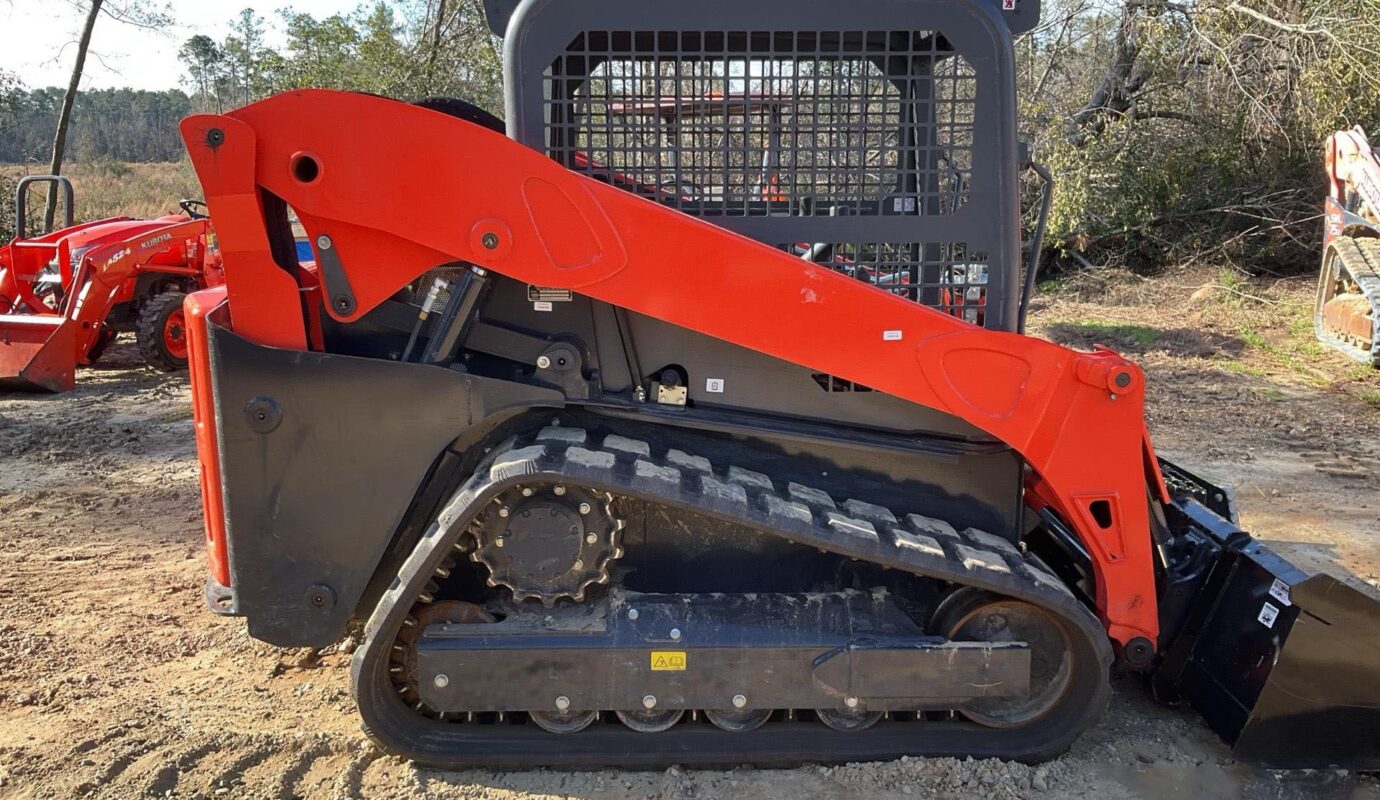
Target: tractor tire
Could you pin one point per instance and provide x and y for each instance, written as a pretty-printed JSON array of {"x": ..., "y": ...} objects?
[
  {"x": 162, "y": 332},
  {"x": 99, "y": 346}
]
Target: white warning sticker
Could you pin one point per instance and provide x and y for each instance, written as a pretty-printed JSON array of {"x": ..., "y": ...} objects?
[
  {"x": 1279, "y": 590},
  {"x": 1268, "y": 615},
  {"x": 891, "y": 336},
  {"x": 714, "y": 385},
  {"x": 1008, "y": 5},
  {"x": 542, "y": 305}
]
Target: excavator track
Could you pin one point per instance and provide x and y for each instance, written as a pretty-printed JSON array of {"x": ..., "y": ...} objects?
[{"x": 613, "y": 465}]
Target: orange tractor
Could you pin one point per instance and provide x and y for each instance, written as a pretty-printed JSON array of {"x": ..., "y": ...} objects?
[{"x": 65, "y": 295}]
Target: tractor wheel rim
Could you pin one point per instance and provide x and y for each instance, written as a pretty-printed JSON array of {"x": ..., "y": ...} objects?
[{"x": 175, "y": 334}]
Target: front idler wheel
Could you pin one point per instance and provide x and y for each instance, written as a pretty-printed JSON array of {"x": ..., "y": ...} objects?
[{"x": 970, "y": 615}]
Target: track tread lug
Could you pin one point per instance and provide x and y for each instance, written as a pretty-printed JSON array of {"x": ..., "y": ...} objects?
[
  {"x": 656, "y": 473},
  {"x": 591, "y": 459},
  {"x": 559, "y": 435},
  {"x": 991, "y": 541},
  {"x": 516, "y": 463},
  {"x": 715, "y": 489},
  {"x": 683, "y": 460},
  {"x": 624, "y": 445},
  {"x": 749, "y": 479},
  {"x": 975, "y": 560},
  {"x": 1045, "y": 579},
  {"x": 934, "y": 528},
  {"x": 859, "y": 528},
  {"x": 787, "y": 513},
  {"x": 870, "y": 511},
  {"x": 919, "y": 543},
  {"x": 808, "y": 496}
]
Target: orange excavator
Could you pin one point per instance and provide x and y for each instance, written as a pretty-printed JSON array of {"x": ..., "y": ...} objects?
[{"x": 65, "y": 295}]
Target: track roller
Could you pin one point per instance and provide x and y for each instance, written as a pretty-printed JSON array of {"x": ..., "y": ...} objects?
[
  {"x": 848, "y": 721},
  {"x": 563, "y": 722},
  {"x": 738, "y": 721},
  {"x": 650, "y": 721}
]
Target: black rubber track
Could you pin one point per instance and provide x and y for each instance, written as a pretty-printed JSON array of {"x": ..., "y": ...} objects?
[
  {"x": 627, "y": 467},
  {"x": 1360, "y": 257}
]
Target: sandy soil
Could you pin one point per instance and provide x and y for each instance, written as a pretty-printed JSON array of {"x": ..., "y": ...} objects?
[{"x": 115, "y": 682}]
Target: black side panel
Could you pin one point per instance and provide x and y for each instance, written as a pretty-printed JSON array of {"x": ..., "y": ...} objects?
[{"x": 320, "y": 456}]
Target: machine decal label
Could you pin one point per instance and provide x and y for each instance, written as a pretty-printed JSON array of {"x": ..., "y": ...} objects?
[
  {"x": 1279, "y": 590},
  {"x": 118, "y": 256},
  {"x": 542, "y": 305},
  {"x": 155, "y": 241},
  {"x": 891, "y": 336},
  {"x": 1008, "y": 5},
  {"x": 668, "y": 660},
  {"x": 1268, "y": 615},
  {"x": 714, "y": 385}
]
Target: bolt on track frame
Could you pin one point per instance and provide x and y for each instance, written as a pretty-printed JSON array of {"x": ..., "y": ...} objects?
[{"x": 399, "y": 189}]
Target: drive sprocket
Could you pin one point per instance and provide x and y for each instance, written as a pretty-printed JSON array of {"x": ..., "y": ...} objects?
[{"x": 548, "y": 542}]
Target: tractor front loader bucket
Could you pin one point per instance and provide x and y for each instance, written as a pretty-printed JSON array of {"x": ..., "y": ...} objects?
[
  {"x": 1283, "y": 665},
  {"x": 37, "y": 353}
]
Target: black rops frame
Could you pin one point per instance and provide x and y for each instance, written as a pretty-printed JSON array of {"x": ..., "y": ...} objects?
[{"x": 540, "y": 33}]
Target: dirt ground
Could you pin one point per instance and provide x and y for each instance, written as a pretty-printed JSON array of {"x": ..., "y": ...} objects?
[{"x": 116, "y": 682}]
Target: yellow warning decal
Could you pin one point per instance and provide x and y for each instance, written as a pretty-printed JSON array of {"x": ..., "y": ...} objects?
[{"x": 668, "y": 660}]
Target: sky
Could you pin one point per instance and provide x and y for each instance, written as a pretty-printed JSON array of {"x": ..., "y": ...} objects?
[{"x": 38, "y": 40}]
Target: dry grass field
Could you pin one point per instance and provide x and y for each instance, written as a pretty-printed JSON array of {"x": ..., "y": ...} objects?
[{"x": 118, "y": 189}]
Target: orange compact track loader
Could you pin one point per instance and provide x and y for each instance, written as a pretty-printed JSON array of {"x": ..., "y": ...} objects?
[
  {"x": 65, "y": 295},
  {"x": 631, "y": 476},
  {"x": 1347, "y": 314}
]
